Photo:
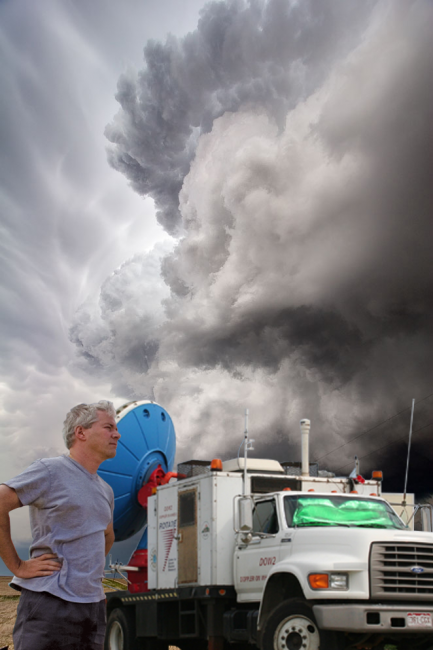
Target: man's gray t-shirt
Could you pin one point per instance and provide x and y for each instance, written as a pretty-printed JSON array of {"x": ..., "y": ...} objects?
[{"x": 70, "y": 509}]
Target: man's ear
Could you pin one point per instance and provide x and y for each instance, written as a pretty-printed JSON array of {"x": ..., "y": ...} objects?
[{"x": 79, "y": 433}]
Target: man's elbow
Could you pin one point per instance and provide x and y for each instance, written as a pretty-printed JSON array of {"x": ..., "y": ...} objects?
[{"x": 8, "y": 499}]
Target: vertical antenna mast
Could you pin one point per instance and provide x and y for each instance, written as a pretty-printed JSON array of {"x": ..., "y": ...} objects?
[
  {"x": 244, "y": 486},
  {"x": 408, "y": 451}
]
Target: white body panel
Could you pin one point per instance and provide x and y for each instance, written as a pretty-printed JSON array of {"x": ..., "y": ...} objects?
[
  {"x": 166, "y": 524},
  {"x": 152, "y": 543},
  {"x": 253, "y": 464},
  {"x": 224, "y": 537},
  {"x": 215, "y": 534},
  {"x": 254, "y": 563},
  {"x": 337, "y": 484}
]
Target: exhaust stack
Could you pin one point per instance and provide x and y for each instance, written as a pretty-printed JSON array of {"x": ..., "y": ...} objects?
[{"x": 305, "y": 431}]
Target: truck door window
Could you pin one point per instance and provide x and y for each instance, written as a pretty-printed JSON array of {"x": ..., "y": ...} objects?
[
  {"x": 187, "y": 509},
  {"x": 187, "y": 548},
  {"x": 265, "y": 518}
]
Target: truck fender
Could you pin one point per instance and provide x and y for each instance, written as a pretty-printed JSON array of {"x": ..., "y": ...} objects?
[
  {"x": 112, "y": 603},
  {"x": 282, "y": 584}
]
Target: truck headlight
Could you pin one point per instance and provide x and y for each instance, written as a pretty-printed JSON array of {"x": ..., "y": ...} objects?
[{"x": 338, "y": 581}]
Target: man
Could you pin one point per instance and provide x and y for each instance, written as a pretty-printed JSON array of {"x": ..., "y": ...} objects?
[{"x": 62, "y": 601}]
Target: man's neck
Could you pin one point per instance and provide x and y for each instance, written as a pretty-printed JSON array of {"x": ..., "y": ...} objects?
[{"x": 80, "y": 456}]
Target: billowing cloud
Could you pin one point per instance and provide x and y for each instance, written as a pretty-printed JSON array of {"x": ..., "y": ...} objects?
[
  {"x": 289, "y": 144},
  {"x": 119, "y": 335},
  {"x": 269, "y": 54}
]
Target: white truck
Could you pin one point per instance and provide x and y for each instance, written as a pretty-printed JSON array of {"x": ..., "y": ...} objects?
[{"x": 243, "y": 553}]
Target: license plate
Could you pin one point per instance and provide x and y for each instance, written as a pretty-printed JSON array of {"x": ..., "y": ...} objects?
[{"x": 418, "y": 619}]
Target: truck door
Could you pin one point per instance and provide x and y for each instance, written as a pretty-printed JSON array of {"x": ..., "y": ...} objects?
[
  {"x": 254, "y": 561},
  {"x": 187, "y": 536}
]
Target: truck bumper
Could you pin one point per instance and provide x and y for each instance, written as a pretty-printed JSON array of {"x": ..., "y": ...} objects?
[{"x": 372, "y": 618}]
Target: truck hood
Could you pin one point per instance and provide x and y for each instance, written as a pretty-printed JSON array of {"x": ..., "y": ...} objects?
[
  {"x": 326, "y": 533},
  {"x": 339, "y": 549},
  {"x": 342, "y": 545}
]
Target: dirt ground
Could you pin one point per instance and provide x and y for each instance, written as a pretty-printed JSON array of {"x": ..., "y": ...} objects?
[
  {"x": 9, "y": 599},
  {"x": 8, "y": 610}
]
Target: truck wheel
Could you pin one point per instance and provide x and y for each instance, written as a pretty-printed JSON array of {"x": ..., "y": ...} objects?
[
  {"x": 120, "y": 632},
  {"x": 292, "y": 626}
]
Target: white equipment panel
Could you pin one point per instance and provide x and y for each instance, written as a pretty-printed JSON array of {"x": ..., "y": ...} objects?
[{"x": 213, "y": 528}]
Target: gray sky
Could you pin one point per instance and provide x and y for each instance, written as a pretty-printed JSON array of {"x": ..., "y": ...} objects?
[
  {"x": 237, "y": 216},
  {"x": 68, "y": 220}
]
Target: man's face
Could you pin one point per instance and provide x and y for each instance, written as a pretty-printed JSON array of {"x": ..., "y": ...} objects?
[{"x": 102, "y": 437}]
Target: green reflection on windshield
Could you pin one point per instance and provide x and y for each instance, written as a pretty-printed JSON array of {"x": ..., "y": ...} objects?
[{"x": 339, "y": 511}]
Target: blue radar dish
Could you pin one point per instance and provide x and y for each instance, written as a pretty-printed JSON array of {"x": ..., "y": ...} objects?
[{"x": 147, "y": 440}]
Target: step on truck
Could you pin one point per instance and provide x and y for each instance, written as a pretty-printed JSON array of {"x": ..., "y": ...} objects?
[{"x": 255, "y": 553}]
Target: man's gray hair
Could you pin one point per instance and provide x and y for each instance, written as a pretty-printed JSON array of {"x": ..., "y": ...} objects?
[{"x": 84, "y": 415}]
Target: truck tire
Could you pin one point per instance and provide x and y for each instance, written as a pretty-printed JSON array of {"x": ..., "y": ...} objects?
[
  {"x": 292, "y": 626},
  {"x": 120, "y": 634}
]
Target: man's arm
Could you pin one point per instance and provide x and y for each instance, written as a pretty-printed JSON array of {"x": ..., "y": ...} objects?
[
  {"x": 109, "y": 537},
  {"x": 43, "y": 565}
]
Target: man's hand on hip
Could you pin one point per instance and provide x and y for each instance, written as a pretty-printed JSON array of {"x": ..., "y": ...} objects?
[{"x": 43, "y": 565}]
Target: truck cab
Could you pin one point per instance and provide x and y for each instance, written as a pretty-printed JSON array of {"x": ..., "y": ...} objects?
[
  {"x": 345, "y": 563},
  {"x": 289, "y": 525}
]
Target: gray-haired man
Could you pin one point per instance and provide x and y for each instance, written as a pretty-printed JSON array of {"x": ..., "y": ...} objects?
[{"x": 71, "y": 509}]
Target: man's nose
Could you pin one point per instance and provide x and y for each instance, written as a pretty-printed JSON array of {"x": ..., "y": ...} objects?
[{"x": 116, "y": 434}]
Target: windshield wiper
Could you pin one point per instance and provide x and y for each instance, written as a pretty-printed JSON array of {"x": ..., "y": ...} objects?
[
  {"x": 317, "y": 524},
  {"x": 377, "y": 526}
]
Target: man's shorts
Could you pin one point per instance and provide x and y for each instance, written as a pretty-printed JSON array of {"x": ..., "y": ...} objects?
[{"x": 45, "y": 622}]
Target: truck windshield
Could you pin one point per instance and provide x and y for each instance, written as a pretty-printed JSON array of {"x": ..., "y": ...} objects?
[{"x": 339, "y": 510}]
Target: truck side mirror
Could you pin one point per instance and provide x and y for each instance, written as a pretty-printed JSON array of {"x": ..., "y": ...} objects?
[{"x": 245, "y": 519}]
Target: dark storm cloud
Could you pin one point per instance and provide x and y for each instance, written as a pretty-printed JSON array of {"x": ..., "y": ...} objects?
[
  {"x": 294, "y": 139},
  {"x": 268, "y": 54},
  {"x": 265, "y": 339}
]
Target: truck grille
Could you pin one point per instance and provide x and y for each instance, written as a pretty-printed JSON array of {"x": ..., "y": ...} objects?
[{"x": 401, "y": 571}]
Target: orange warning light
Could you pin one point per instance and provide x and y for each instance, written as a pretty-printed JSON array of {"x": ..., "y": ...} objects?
[{"x": 318, "y": 580}]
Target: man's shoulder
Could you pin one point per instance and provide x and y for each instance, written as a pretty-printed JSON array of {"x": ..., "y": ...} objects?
[
  {"x": 39, "y": 466},
  {"x": 53, "y": 460},
  {"x": 35, "y": 482},
  {"x": 55, "y": 467},
  {"x": 56, "y": 462}
]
